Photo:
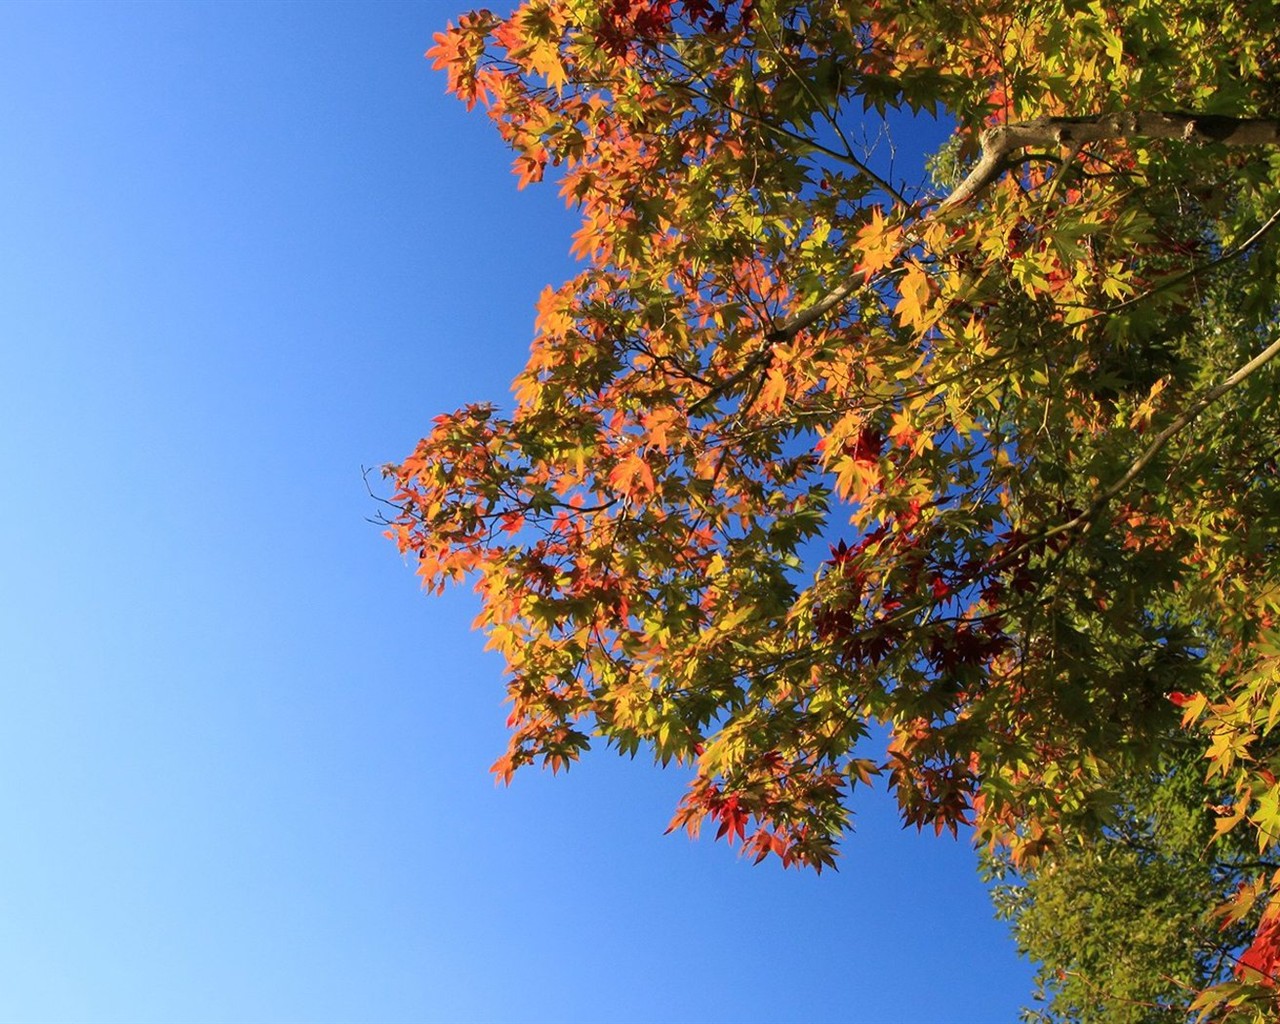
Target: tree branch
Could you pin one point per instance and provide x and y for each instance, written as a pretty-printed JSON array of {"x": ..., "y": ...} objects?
[
  {"x": 1001, "y": 149},
  {"x": 1161, "y": 439},
  {"x": 1189, "y": 416},
  {"x": 999, "y": 144}
]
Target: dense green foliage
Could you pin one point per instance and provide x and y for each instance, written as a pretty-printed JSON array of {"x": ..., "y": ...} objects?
[{"x": 1116, "y": 919}]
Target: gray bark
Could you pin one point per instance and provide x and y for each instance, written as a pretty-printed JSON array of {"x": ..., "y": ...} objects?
[{"x": 1001, "y": 144}]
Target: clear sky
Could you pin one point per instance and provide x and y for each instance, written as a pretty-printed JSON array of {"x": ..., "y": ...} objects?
[{"x": 246, "y": 249}]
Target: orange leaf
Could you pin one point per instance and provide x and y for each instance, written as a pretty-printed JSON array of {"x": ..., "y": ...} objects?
[{"x": 632, "y": 477}]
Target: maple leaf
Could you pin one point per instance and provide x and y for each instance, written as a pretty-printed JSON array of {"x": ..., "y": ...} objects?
[
  {"x": 632, "y": 477},
  {"x": 914, "y": 308},
  {"x": 1259, "y": 962},
  {"x": 879, "y": 242},
  {"x": 773, "y": 395}
]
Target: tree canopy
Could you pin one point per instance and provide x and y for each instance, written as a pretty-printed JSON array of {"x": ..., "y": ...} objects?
[{"x": 992, "y": 464}]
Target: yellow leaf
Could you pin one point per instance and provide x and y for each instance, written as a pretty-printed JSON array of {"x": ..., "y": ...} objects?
[
  {"x": 879, "y": 243},
  {"x": 913, "y": 304}
]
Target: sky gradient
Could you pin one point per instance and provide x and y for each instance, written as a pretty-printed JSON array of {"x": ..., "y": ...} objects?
[{"x": 247, "y": 250}]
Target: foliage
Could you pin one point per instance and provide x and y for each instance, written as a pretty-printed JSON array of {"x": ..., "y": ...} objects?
[
  {"x": 1032, "y": 422},
  {"x": 1115, "y": 920}
]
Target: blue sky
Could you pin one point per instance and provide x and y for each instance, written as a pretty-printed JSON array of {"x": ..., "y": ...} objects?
[{"x": 248, "y": 249}]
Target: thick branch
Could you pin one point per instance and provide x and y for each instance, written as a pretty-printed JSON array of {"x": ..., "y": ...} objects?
[
  {"x": 1001, "y": 143},
  {"x": 1001, "y": 147}
]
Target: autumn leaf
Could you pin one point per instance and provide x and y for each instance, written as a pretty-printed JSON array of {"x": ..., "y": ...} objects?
[
  {"x": 914, "y": 308},
  {"x": 632, "y": 477}
]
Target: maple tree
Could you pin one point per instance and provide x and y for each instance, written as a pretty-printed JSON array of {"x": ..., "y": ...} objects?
[{"x": 799, "y": 453}]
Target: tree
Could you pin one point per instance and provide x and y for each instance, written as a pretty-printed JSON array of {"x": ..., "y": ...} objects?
[
  {"x": 1114, "y": 920},
  {"x": 800, "y": 451}
]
